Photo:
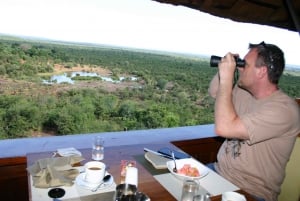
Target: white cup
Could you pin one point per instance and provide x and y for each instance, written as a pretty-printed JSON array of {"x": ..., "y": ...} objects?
[
  {"x": 233, "y": 196},
  {"x": 94, "y": 171}
]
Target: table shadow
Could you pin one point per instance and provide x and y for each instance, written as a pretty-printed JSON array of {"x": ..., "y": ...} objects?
[
  {"x": 148, "y": 166},
  {"x": 94, "y": 197}
]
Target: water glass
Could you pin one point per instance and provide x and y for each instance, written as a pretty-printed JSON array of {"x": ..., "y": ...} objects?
[
  {"x": 202, "y": 197},
  {"x": 189, "y": 190},
  {"x": 98, "y": 148}
]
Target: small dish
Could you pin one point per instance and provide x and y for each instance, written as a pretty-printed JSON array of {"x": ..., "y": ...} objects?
[
  {"x": 233, "y": 196},
  {"x": 187, "y": 161},
  {"x": 80, "y": 181}
]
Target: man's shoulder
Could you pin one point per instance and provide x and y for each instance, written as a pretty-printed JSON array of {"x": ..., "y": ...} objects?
[{"x": 281, "y": 97}]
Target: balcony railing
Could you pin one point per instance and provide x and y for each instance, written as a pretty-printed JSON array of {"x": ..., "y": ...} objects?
[{"x": 20, "y": 147}]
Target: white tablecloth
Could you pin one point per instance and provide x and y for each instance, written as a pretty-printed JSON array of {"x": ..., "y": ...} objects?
[
  {"x": 212, "y": 183},
  {"x": 73, "y": 192}
]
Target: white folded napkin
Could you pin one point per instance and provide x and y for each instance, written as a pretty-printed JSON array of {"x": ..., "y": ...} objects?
[
  {"x": 70, "y": 151},
  {"x": 52, "y": 172}
]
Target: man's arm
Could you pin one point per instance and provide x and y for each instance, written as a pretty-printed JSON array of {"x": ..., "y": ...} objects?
[
  {"x": 213, "y": 86},
  {"x": 227, "y": 122}
]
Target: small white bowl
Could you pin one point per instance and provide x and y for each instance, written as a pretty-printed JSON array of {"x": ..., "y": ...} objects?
[
  {"x": 203, "y": 170},
  {"x": 233, "y": 196}
]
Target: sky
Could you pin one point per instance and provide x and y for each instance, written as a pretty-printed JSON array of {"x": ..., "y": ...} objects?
[{"x": 143, "y": 24}]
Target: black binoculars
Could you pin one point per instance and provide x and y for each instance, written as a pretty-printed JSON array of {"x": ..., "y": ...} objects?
[{"x": 214, "y": 61}]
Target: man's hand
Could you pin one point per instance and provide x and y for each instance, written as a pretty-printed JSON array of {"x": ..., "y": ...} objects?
[{"x": 227, "y": 67}]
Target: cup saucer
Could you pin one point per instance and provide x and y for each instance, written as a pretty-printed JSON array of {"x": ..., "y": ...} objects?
[{"x": 80, "y": 181}]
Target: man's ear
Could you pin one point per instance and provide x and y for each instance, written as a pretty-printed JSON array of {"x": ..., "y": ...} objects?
[{"x": 262, "y": 72}]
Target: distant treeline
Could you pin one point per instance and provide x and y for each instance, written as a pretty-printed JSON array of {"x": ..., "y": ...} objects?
[{"x": 173, "y": 92}]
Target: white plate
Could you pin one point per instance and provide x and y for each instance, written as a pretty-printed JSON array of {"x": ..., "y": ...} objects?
[
  {"x": 203, "y": 170},
  {"x": 80, "y": 181}
]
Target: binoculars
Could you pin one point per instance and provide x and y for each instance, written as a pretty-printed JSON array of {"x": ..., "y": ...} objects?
[{"x": 214, "y": 61}]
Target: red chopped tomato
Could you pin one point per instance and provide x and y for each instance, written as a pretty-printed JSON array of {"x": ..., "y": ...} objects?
[{"x": 188, "y": 170}]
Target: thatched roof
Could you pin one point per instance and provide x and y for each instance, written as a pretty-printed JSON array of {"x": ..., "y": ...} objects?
[{"x": 278, "y": 13}]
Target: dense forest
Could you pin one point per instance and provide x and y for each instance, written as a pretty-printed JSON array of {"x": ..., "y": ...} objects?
[{"x": 170, "y": 89}]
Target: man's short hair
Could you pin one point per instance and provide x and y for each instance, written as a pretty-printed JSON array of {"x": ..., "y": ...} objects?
[{"x": 271, "y": 56}]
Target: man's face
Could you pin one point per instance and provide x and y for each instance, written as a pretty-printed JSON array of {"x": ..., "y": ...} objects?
[{"x": 247, "y": 74}]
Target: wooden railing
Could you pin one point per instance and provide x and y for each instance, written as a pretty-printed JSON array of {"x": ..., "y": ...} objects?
[
  {"x": 13, "y": 179},
  {"x": 13, "y": 173},
  {"x": 203, "y": 149}
]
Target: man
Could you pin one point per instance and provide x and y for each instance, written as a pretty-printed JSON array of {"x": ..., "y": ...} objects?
[{"x": 258, "y": 120}]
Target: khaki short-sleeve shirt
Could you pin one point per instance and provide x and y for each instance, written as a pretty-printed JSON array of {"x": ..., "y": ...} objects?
[{"x": 258, "y": 165}]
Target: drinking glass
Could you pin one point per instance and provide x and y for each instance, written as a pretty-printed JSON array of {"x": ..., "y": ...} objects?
[
  {"x": 98, "y": 148},
  {"x": 202, "y": 197},
  {"x": 189, "y": 190}
]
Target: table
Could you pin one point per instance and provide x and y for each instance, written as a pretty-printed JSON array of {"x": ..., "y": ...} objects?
[
  {"x": 146, "y": 180},
  {"x": 112, "y": 158}
]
